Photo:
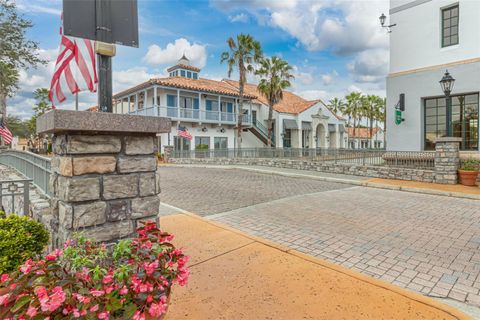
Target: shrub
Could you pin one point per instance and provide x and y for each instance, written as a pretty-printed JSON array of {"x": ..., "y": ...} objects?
[
  {"x": 86, "y": 280},
  {"x": 469, "y": 164},
  {"x": 21, "y": 238}
]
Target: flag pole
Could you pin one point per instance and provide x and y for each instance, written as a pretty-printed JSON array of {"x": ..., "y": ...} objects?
[{"x": 76, "y": 101}]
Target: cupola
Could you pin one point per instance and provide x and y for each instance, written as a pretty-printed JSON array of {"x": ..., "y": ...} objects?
[{"x": 184, "y": 69}]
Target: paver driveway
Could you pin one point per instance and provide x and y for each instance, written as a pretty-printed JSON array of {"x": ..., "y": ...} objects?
[{"x": 426, "y": 243}]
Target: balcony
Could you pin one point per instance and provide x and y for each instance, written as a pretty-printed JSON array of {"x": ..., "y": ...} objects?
[{"x": 193, "y": 115}]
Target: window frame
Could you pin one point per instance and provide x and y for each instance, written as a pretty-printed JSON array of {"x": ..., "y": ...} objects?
[{"x": 442, "y": 31}]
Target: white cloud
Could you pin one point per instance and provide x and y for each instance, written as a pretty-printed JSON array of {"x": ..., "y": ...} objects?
[
  {"x": 196, "y": 53},
  {"x": 124, "y": 79},
  {"x": 52, "y": 7},
  {"x": 370, "y": 66},
  {"x": 241, "y": 17},
  {"x": 328, "y": 78}
]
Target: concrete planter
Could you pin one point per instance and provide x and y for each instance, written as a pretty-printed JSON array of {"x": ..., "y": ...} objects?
[{"x": 467, "y": 178}]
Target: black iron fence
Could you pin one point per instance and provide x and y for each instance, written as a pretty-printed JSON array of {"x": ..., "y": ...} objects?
[{"x": 377, "y": 157}]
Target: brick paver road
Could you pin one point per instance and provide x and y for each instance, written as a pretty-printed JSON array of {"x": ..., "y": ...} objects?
[{"x": 425, "y": 243}]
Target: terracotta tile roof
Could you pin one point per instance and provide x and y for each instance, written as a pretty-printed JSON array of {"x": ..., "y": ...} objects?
[
  {"x": 291, "y": 103},
  {"x": 183, "y": 66},
  {"x": 362, "y": 133},
  {"x": 93, "y": 109},
  {"x": 201, "y": 84}
]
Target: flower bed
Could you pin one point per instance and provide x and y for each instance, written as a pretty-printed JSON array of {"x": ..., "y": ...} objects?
[{"x": 86, "y": 280}]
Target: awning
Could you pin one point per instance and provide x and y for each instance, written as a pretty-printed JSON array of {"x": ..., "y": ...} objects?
[
  {"x": 341, "y": 128},
  {"x": 289, "y": 124},
  {"x": 306, "y": 125},
  {"x": 331, "y": 128}
]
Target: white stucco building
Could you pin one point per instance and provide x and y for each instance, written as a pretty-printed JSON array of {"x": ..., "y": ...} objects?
[
  {"x": 363, "y": 138},
  {"x": 430, "y": 37},
  {"x": 208, "y": 110}
]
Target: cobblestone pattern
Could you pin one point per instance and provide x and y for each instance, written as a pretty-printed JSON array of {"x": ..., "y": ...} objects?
[
  {"x": 322, "y": 166},
  {"x": 447, "y": 162},
  {"x": 429, "y": 244},
  {"x": 207, "y": 191},
  {"x": 103, "y": 184}
]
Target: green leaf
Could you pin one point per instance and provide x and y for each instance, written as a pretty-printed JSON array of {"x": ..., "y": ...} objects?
[
  {"x": 20, "y": 303},
  {"x": 129, "y": 311}
]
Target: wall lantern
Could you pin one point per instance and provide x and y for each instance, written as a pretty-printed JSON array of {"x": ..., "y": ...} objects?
[
  {"x": 447, "y": 86},
  {"x": 383, "y": 19},
  {"x": 204, "y": 129},
  {"x": 222, "y": 130}
]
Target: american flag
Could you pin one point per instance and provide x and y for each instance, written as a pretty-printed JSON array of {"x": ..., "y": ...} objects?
[
  {"x": 183, "y": 132},
  {"x": 5, "y": 133},
  {"x": 75, "y": 69}
]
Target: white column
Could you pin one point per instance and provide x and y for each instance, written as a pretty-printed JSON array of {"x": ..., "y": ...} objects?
[
  {"x": 219, "y": 110},
  {"x": 155, "y": 100},
  {"x": 178, "y": 103},
  {"x": 250, "y": 112},
  {"x": 136, "y": 103},
  {"x": 200, "y": 109},
  {"x": 121, "y": 105},
  {"x": 145, "y": 100}
]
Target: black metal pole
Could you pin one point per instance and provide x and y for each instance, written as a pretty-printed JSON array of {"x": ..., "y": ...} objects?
[
  {"x": 104, "y": 83},
  {"x": 449, "y": 116}
]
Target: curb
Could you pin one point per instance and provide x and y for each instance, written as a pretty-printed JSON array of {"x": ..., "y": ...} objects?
[
  {"x": 364, "y": 183},
  {"x": 337, "y": 268}
]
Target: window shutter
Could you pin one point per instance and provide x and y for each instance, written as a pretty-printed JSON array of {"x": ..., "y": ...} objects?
[
  {"x": 208, "y": 105},
  {"x": 195, "y": 104}
]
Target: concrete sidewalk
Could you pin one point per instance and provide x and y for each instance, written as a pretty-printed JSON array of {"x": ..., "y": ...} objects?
[
  {"x": 237, "y": 276},
  {"x": 458, "y": 190}
]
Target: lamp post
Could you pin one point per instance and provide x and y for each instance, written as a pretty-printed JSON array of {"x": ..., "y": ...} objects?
[
  {"x": 447, "y": 86},
  {"x": 382, "y": 19}
]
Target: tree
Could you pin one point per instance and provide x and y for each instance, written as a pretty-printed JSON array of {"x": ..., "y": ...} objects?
[
  {"x": 18, "y": 127},
  {"x": 16, "y": 51},
  {"x": 43, "y": 105},
  {"x": 276, "y": 78},
  {"x": 354, "y": 103},
  {"x": 336, "y": 105},
  {"x": 243, "y": 53}
]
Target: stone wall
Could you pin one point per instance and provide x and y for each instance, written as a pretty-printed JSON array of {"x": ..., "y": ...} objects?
[
  {"x": 103, "y": 184},
  {"x": 322, "y": 166},
  {"x": 447, "y": 160}
]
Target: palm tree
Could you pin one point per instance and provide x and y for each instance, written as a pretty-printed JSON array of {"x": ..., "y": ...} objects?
[
  {"x": 336, "y": 105},
  {"x": 354, "y": 103},
  {"x": 276, "y": 78},
  {"x": 243, "y": 54}
]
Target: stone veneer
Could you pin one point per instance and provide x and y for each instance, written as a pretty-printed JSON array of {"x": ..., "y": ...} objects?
[
  {"x": 447, "y": 160},
  {"x": 104, "y": 175},
  {"x": 387, "y": 172}
]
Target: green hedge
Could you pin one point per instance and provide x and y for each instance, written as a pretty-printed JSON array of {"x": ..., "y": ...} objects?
[{"x": 21, "y": 238}]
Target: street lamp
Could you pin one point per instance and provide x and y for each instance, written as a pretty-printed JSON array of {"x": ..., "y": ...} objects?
[
  {"x": 447, "y": 86},
  {"x": 383, "y": 18}
]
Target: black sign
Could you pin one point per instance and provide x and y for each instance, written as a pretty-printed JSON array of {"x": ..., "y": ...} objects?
[{"x": 110, "y": 21}]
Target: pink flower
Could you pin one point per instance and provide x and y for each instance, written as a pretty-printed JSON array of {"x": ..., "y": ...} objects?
[
  {"x": 138, "y": 316},
  {"x": 157, "y": 309},
  {"x": 97, "y": 293},
  {"x": 32, "y": 311},
  {"x": 107, "y": 279},
  {"x": 124, "y": 290},
  {"x": 103, "y": 315},
  {"x": 150, "y": 267},
  {"x": 4, "y": 299},
  {"x": 68, "y": 243},
  {"x": 4, "y": 277},
  {"x": 54, "y": 255},
  {"x": 94, "y": 308},
  {"x": 82, "y": 299},
  {"x": 182, "y": 277},
  {"x": 52, "y": 302}
]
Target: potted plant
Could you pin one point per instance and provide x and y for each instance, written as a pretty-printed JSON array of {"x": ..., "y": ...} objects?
[
  {"x": 87, "y": 280},
  {"x": 468, "y": 171}
]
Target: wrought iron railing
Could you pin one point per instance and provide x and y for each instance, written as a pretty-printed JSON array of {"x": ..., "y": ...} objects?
[
  {"x": 31, "y": 165},
  {"x": 15, "y": 196},
  {"x": 377, "y": 157}
]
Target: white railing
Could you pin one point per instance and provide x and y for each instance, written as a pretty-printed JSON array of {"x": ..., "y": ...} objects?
[{"x": 192, "y": 115}]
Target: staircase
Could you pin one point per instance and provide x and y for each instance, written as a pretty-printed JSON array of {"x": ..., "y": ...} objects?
[{"x": 261, "y": 132}]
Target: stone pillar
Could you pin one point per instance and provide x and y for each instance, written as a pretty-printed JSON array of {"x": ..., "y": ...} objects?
[
  {"x": 447, "y": 160},
  {"x": 167, "y": 153},
  {"x": 104, "y": 172}
]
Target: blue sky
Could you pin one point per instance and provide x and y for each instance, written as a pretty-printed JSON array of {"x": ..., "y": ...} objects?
[{"x": 334, "y": 46}]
